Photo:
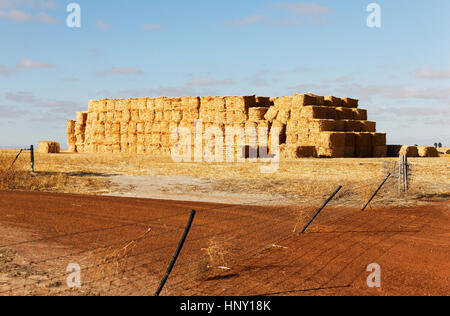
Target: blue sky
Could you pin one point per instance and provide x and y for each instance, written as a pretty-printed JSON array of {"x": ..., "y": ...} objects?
[{"x": 400, "y": 72}]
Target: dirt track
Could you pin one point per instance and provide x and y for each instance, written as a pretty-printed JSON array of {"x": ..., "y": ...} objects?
[{"x": 412, "y": 246}]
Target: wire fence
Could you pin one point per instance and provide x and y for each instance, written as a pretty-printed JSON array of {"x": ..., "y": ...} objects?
[{"x": 225, "y": 242}]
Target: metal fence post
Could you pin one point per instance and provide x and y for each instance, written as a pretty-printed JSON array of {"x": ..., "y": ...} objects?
[
  {"x": 32, "y": 158},
  {"x": 177, "y": 253},
  {"x": 320, "y": 209},
  {"x": 376, "y": 192}
]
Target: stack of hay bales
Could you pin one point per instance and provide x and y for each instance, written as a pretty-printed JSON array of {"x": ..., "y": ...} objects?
[
  {"x": 48, "y": 148},
  {"x": 307, "y": 124},
  {"x": 428, "y": 151}
]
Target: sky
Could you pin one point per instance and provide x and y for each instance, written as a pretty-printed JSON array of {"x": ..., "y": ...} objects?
[{"x": 400, "y": 71}]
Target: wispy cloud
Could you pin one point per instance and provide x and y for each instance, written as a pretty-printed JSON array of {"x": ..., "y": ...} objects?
[
  {"x": 119, "y": 71},
  {"x": 21, "y": 97},
  {"x": 21, "y": 16},
  {"x": 206, "y": 81},
  {"x": 152, "y": 27},
  {"x": 6, "y": 71},
  {"x": 32, "y": 64},
  {"x": 430, "y": 73},
  {"x": 247, "y": 20},
  {"x": 11, "y": 112},
  {"x": 103, "y": 25},
  {"x": 313, "y": 13},
  {"x": 13, "y": 10}
]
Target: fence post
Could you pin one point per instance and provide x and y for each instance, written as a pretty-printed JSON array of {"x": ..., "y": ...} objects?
[
  {"x": 32, "y": 158},
  {"x": 320, "y": 209},
  {"x": 405, "y": 173},
  {"x": 177, "y": 253},
  {"x": 376, "y": 192},
  {"x": 15, "y": 159}
]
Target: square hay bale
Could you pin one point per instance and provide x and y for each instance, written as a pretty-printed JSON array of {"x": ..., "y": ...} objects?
[
  {"x": 81, "y": 117},
  {"x": 126, "y": 116},
  {"x": 333, "y": 101},
  {"x": 263, "y": 102},
  {"x": 110, "y": 105},
  {"x": 159, "y": 116},
  {"x": 379, "y": 139},
  {"x": 332, "y": 139},
  {"x": 240, "y": 103},
  {"x": 427, "y": 151},
  {"x": 327, "y": 152},
  {"x": 220, "y": 117},
  {"x": 350, "y": 103},
  {"x": 352, "y": 126},
  {"x": 70, "y": 127},
  {"x": 101, "y": 106},
  {"x": 159, "y": 104},
  {"x": 48, "y": 147},
  {"x": 306, "y": 99},
  {"x": 176, "y": 104},
  {"x": 349, "y": 151},
  {"x": 340, "y": 126},
  {"x": 360, "y": 114},
  {"x": 306, "y": 152},
  {"x": 363, "y": 145},
  {"x": 92, "y": 106},
  {"x": 409, "y": 151},
  {"x": 368, "y": 126},
  {"x": 189, "y": 104},
  {"x": 123, "y": 104},
  {"x": 257, "y": 113},
  {"x": 380, "y": 151},
  {"x": 150, "y": 104},
  {"x": 110, "y": 116},
  {"x": 345, "y": 114},
  {"x": 271, "y": 114},
  {"x": 135, "y": 116},
  {"x": 314, "y": 112},
  {"x": 322, "y": 125},
  {"x": 283, "y": 115}
]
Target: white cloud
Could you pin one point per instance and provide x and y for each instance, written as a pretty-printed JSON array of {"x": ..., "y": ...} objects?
[
  {"x": 304, "y": 8},
  {"x": 429, "y": 73},
  {"x": 32, "y": 64},
  {"x": 117, "y": 71},
  {"x": 152, "y": 27},
  {"x": 11, "y": 112}
]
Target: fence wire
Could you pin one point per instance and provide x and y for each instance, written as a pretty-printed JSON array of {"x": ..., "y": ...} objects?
[{"x": 225, "y": 242}]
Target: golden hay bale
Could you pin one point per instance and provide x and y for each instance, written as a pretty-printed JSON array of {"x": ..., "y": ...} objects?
[
  {"x": 92, "y": 106},
  {"x": 240, "y": 103},
  {"x": 48, "y": 147},
  {"x": 110, "y": 105},
  {"x": 352, "y": 126},
  {"x": 360, "y": 114},
  {"x": 340, "y": 126},
  {"x": 427, "y": 151},
  {"x": 380, "y": 151},
  {"x": 257, "y": 114},
  {"x": 263, "y": 102},
  {"x": 333, "y": 101},
  {"x": 327, "y": 152},
  {"x": 81, "y": 117},
  {"x": 283, "y": 115},
  {"x": 344, "y": 114},
  {"x": 363, "y": 145},
  {"x": 409, "y": 151},
  {"x": 314, "y": 112},
  {"x": 70, "y": 127},
  {"x": 350, "y": 103},
  {"x": 331, "y": 139},
  {"x": 306, "y": 99},
  {"x": 379, "y": 139},
  {"x": 367, "y": 126},
  {"x": 271, "y": 114},
  {"x": 322, "y": 125}
]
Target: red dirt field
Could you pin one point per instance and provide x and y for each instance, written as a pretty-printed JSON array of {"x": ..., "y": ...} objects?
[{"x": 123, "y": 246}]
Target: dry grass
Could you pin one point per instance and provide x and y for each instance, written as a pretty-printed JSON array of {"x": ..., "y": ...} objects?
[
  {"x": 19, "y": 177},
  {"x": 304, "y": 181}
]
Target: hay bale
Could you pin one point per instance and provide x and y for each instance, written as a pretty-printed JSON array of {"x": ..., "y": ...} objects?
[
  {"x": 256, "y": 114},
  {"x": 47, "y": 147},
  {"x": 81, "y": 117},
  {"x": 344, "y": 114},
  {"x": 409, "y": 151},
  {"x": 271, "y": 114},
  {"x": 393, "y": 150},
  {"x": 305, "y": 100},
  {"x": 363, "y": 145},
  {"x": 428, "y": 151},
  {"x": 333, "y": 102},
  {"x": 352, "y": 126},
  {"x": 314, "y": 112},
  {"x": 322, "y": 125},
  {"x": 350, "y": 103},
  {"x": 326, "y": 152},
  {"x": 332, "y": 139},
  {"x": 263, "y": 102},
  {"x": 367, "y": 126},
  {"x": 360, "y": 114},
  {"x": 380, "y": 151},
  {"x": 379, "y": 139}
]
